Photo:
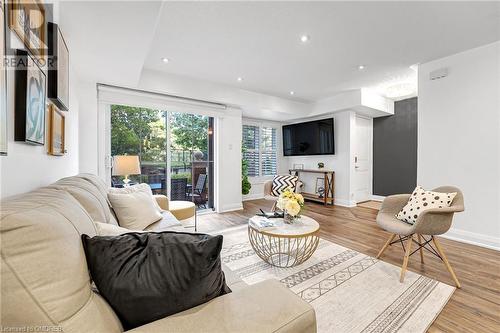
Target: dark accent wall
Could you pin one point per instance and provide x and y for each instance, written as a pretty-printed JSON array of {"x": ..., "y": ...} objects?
[{"x": 395, "y": 150}]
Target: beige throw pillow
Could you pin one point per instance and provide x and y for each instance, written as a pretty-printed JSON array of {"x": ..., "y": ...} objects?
[
  {"x": 422, "y": 200},
  {"x": 135, "y": 210},
  {"x": 106, "y": 229},
  {"x": 143, "y": 187}
]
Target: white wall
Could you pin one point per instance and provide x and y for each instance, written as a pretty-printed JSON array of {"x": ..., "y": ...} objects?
[
  {"x": 341, "y": 162},
  {"x": 27, "y": 167},
  {"x": 458, "y": 138},
  {"x": 228, "y": 167}
]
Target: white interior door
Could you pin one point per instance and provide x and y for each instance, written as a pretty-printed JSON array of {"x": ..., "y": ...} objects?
[{"x": 363, "y": 159}]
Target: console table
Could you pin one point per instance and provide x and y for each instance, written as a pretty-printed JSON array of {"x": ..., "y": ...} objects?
[{"x": 329, "y": 177}]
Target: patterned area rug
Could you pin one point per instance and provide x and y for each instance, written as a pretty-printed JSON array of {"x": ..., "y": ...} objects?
[{"x": 351, "y": 292}]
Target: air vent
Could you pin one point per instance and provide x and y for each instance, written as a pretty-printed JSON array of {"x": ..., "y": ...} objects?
[{"x": 438, "y": 74}]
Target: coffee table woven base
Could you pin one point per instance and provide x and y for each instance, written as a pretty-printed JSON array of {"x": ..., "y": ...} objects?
[{"x": 283, "y": 250}]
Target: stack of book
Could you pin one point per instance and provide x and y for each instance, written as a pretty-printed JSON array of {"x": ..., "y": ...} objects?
[{"x": 261, "y": 223}]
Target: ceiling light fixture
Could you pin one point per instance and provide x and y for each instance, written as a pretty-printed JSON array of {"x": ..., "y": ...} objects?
[
  {"x": 239, "y": 79},
  {"x": 292, "y": 92},
  {"x": 304, "y": 38},
  {"x": 165, "y": 60},
  {"x": 361, "y": 67}
]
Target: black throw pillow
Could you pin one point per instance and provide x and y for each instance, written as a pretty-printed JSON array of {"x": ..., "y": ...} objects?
[{"x": 148, "y": 276}]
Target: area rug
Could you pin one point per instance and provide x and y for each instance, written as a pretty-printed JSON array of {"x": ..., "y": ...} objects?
[{"x": 351, "y": 292}]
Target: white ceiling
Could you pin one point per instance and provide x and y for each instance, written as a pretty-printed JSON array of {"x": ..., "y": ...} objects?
[{"x": 259, "y": 41}]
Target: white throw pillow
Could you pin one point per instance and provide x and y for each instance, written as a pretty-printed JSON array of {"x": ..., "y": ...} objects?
[
  {"x": 422, "y": 200},
  {"x": 135, "y": 210},
  {"x": 143, "y": 187}
]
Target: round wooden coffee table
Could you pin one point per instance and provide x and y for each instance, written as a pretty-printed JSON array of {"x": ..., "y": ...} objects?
[{"x": 285, "y": 245}]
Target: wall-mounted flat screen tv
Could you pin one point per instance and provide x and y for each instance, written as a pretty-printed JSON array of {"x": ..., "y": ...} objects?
[{"x": 309, "y": 138}]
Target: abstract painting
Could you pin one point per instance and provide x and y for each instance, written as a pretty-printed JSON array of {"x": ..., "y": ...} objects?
[
  {"x": 29, "y": 101},
  {"x": 56, "y": 131},
  {"x": 58, "y": 65},
  {"x": 3, "y": 85},
  {"x": 27, "y": 20}
]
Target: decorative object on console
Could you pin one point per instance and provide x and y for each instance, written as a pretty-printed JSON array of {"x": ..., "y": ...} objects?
[
  {"x": 429, "y": 223},
  {"x": 422, "y": 200},
  {"x": 320, "y": 187},
  {"x": 58, "y": 68},
  {"x": 321, "y": 165},
  {"x": 3, "y": 85},
  {"x": 57, "y": 131},
  {"x": 298, "y": 166},
  {"x": 29, "y": 100},
  {"x": 290, "y": 203},
  {"x": 126, "y": 165},
  {"x": 27, "y": 20},
  {"x": 141, "y": 287}
]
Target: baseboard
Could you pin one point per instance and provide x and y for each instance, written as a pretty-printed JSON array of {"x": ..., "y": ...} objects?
[
  {"x": 254, "y": 196},
  {"x": 473, "y": 238},
  {"x": 231, "y": 208},
  {"x": 378, "y": 197},
  {"x": 345, "y": 203}
]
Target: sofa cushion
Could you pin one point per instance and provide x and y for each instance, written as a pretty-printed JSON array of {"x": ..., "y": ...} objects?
[
  {"x": 266, "y": 306},
  {"x": 168, "y": 222},
  {"x": 143, "y": 187},
  {"x": 89, "y": 196},
  {"x": 44, "y": 278},
  {"x": 147, "y": 276},
  {"x": 135, "y": 210}
]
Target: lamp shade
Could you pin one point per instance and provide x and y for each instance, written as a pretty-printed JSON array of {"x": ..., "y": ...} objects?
[{"x": 126, "y": 165}]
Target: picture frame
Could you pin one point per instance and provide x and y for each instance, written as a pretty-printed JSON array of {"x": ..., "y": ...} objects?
[
  {"x": 30, "y": 92},
  {"x": 58, "y": 68},
  {"x": 320, "y": 187},
  {"x": 298, "y": 166},
  {"x": 57, "y": 131},
  {"x": 3, "y": 85},
  {"x": 27, "y": 20}
]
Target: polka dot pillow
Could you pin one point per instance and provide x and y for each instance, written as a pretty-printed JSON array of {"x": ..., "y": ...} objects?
[{"x": 422, "y": 200}]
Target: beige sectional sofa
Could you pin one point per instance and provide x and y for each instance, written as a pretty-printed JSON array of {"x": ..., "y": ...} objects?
[{"x": 45, "y": 284}]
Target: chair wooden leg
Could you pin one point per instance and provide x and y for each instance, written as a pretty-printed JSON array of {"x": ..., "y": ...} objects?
[
  {"x": 386, "y": 245},
  {"x": 406, "y": 258},
  {"x": 445, "y": 260},
  {"x": 421, "y": 249}
]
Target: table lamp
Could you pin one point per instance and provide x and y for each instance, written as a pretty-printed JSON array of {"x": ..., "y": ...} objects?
[{"x": 124, "y": 165}]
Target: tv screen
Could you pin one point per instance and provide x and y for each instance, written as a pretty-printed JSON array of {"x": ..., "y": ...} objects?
[{"x": 309, "y": 138}]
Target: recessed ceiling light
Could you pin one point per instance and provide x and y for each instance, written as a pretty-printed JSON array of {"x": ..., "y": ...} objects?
[
  {"x": 240, "y": 79},
  {"x": 304, "y": 38},
  {"x": 165, "y": 60},
  {"x": 361, "y": 67},
  {"x": 292, "y": 92}
]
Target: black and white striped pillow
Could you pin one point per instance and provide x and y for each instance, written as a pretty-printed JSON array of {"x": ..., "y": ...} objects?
[{"x": 281, "y": 183}]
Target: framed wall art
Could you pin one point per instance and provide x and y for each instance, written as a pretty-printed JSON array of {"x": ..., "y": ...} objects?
[
  {"x": 29, "y": 100},
  {"x": 58, "y": 66},
  {"x": 27, "y": 20},
  {"x": 57, "y": 131},
  {"x": 3, "y": 84}
]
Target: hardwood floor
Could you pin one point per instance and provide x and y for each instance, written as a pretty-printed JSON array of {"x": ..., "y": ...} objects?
[{"x": 474, "y": 308}]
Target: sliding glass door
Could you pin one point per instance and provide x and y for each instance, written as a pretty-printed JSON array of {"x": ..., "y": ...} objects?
[
  {"x": 175, "y": 150},
  {"x": 191, "y": 156}
]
